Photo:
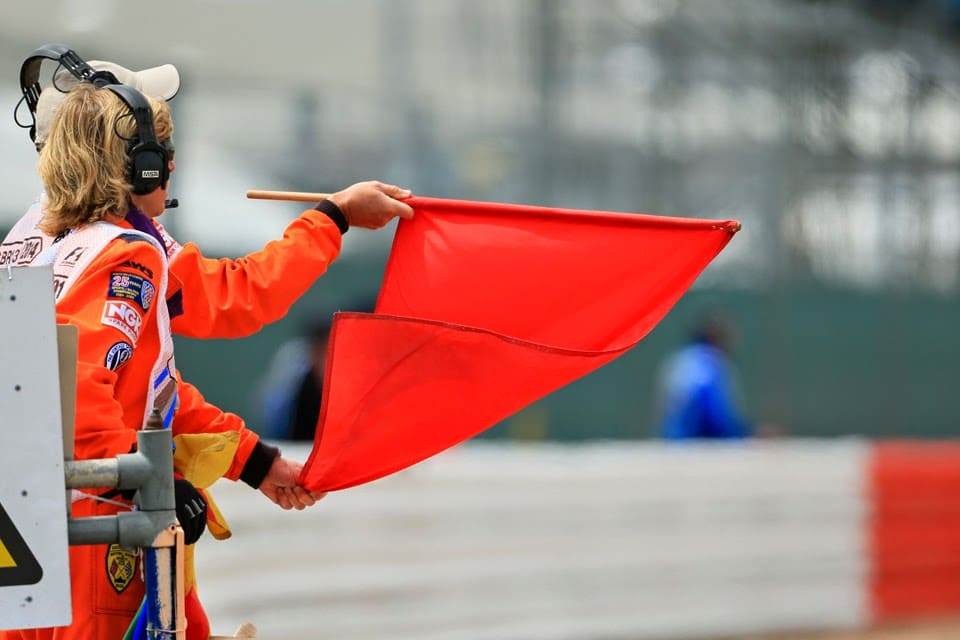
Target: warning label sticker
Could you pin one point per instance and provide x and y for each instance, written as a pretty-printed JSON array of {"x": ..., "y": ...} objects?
[{"x": 17, "y": 563}]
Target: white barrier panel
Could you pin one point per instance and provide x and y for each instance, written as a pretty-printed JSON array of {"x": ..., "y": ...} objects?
[
  {"x": 34, "y": 570},
  {"x": 490, "y": 541}
]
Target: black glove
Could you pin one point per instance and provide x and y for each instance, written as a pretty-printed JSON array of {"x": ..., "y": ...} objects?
[{"x": 191, "y": 510}]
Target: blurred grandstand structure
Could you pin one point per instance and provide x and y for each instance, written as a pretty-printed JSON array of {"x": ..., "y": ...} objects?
[{"x": 830, "y": 129}]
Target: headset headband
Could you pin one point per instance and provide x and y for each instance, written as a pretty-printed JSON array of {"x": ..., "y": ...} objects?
[
  {"x": 69, "y": 60},
  {"x": 149, "y": 160},
  {"x": 139, "y": 107}
]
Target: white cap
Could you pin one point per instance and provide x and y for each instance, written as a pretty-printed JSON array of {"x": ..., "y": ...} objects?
[{"x": 160, "y": 83}]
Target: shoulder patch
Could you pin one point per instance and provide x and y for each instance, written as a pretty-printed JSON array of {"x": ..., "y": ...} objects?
[
  {"x": 142, "y": 268},
  {"x": 118, "y": 354},
  {"x": 121, "y": 315},
  {"x": 127, "y": 286}
]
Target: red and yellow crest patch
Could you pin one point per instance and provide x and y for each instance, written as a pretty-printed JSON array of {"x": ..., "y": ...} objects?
[{"x": 121, "y": 567}]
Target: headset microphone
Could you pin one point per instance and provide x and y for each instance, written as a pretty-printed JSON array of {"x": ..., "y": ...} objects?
[{"x": 172, "y": 203}]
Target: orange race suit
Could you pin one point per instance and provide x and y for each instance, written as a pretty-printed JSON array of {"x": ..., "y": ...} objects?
[
  {"x": 222, "y": 298},
  {"x": 118, "y": 356}
]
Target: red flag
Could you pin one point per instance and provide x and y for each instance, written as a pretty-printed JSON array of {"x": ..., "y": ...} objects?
[{"x": 484, "y": 309}]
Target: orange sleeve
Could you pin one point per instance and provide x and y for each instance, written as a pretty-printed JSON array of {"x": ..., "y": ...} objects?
[
  {"x": 118, "y": 345},
  {"x": 196, "y": 415},
  {"x": 225, "y": 298},
  {"x": 99, "y": 431}
]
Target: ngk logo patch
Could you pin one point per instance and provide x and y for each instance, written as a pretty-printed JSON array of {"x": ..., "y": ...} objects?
[{"x": 123, "y": 316}]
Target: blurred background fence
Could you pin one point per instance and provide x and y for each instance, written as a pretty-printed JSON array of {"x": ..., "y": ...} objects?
[
  {"x": 627, "y": 541},
  {"x": 831, "y": 129}
]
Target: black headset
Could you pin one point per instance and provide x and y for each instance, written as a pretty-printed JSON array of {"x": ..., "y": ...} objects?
[
  {"x": 69, "y": 60},
  {"x": 148, "y": 160}
]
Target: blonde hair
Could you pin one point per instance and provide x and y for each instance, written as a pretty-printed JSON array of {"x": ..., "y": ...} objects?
[{"x": 84, "y": 164}]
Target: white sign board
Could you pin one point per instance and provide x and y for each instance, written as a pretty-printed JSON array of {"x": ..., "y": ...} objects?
[{"x": 34, "y": 566}]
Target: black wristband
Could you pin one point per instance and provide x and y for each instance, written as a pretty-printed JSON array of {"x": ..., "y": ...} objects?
[
  {"x": 258, "y": 464},
  {"x": 333, "y": 212}
]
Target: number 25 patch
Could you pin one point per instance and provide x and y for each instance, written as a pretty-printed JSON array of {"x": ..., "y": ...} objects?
[
  {"x": 123, "y": 316},
  {"x": 128, "y": 286}
]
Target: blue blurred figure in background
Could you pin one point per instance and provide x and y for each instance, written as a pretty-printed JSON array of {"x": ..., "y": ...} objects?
[
  {"x": 697, "y": 392},
  {"x": 290, "y": 393},
  {"x": 292, "y": 389}
]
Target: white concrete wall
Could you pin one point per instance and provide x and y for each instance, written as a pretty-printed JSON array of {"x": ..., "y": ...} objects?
[{"x": 620, "y": 540}]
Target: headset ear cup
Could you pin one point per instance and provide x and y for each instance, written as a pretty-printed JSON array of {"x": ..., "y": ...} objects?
[{"x": 148, "y": 167}]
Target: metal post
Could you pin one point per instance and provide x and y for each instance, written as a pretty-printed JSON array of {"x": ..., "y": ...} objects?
[
  {"x": 153, "y": 527},
  {"x": 150, "y": 470},
  {"x": 163, "y": 569},
  {"x": 163, "y": 562}
]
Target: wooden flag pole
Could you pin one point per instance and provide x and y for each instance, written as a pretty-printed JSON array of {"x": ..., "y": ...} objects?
[{"x": 289, "y": 196}]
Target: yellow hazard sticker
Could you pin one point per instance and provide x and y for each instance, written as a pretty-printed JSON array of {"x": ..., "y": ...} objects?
[
  {"x": 6, "y": 559},
  {"x": 18, "y": 566}
]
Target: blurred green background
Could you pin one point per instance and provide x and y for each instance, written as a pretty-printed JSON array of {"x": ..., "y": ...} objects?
[{"x": 813, "y": 362}]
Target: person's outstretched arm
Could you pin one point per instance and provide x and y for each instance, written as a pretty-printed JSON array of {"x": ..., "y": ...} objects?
[{"x": 224, "y": 298}]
